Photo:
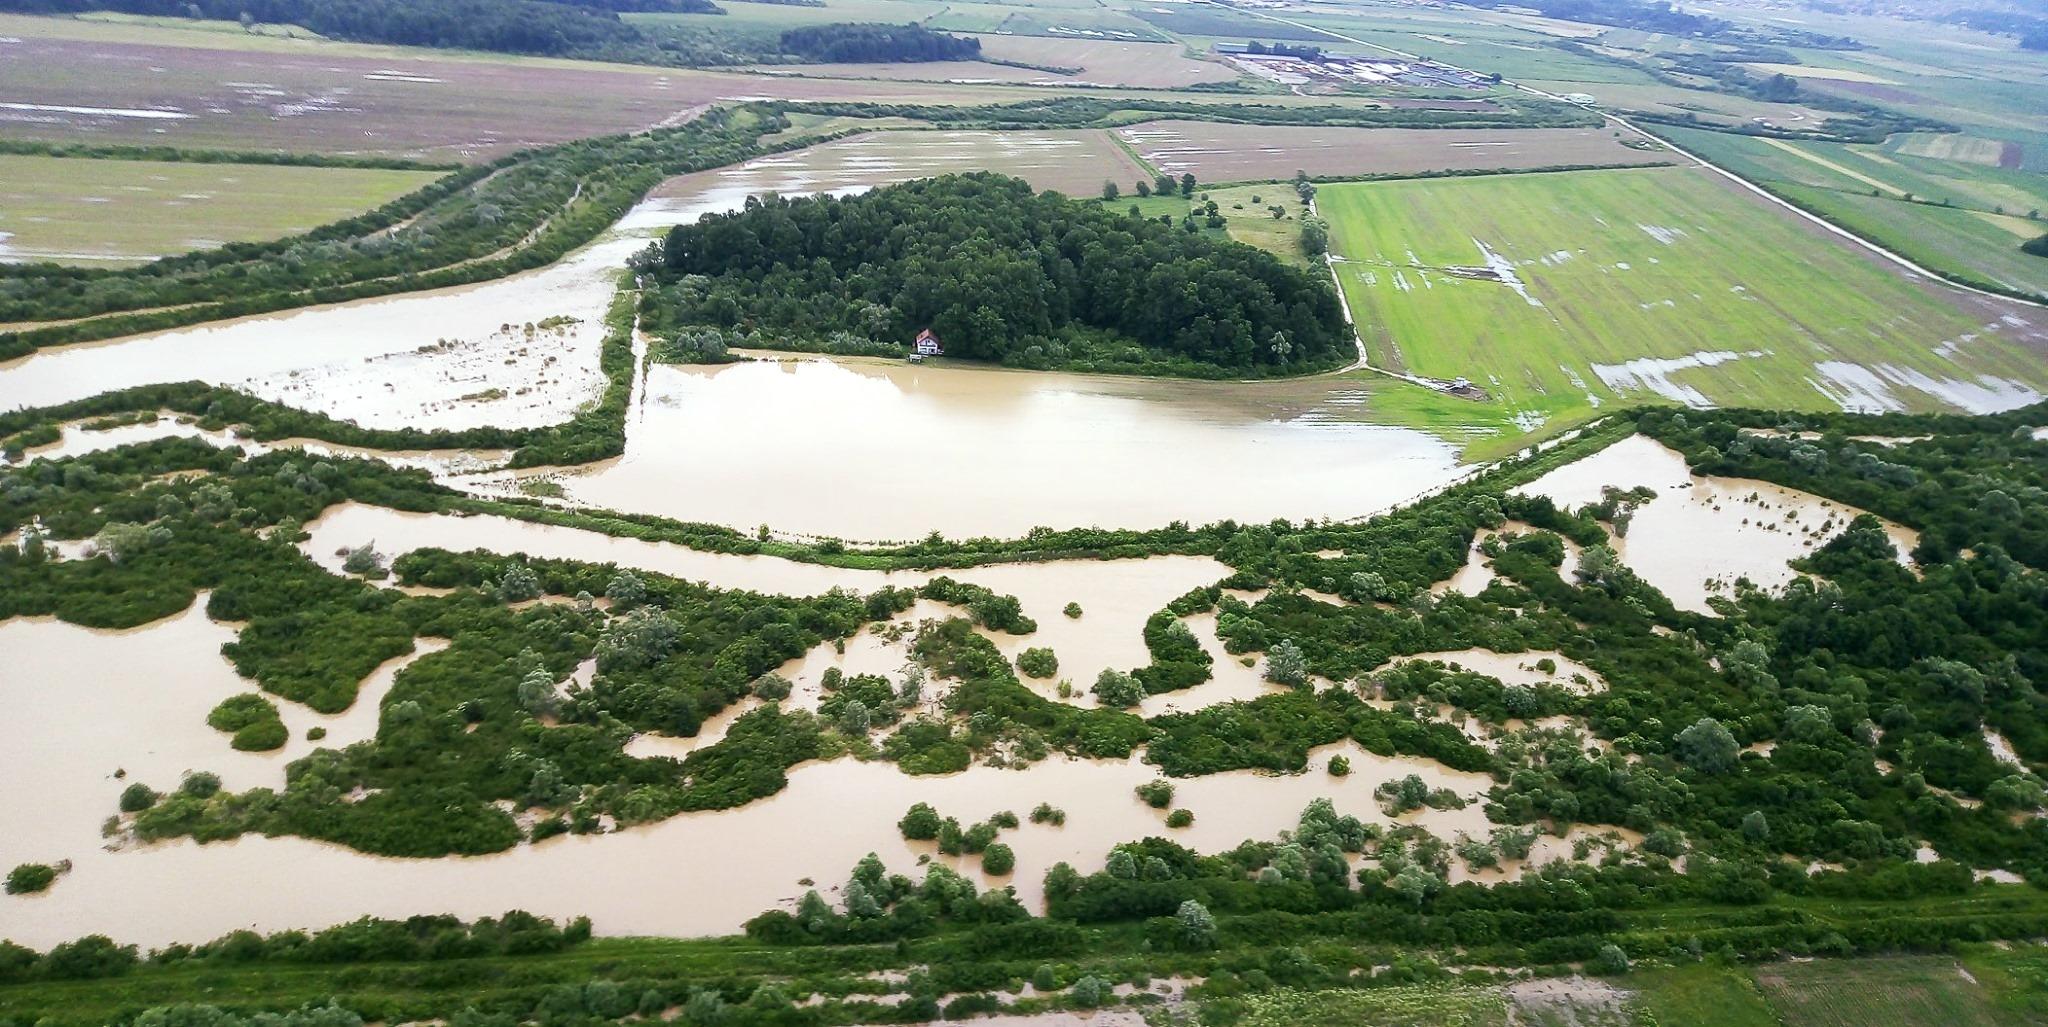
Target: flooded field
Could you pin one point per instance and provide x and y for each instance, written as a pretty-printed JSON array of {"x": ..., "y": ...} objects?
[
  {"x": 144, "y": 695},
  {"x": 1073, "y": 162},
  {"x": 1701, "y": 534},
  {"x": 1219, "y": 152},
  {"x": 975, "y": 451}
]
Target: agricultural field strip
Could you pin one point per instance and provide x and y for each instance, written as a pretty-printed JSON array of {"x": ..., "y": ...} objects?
[
  {"x": 87, "y": 210},
  {"x": 1560, "y": 291},
  {"x": 1868, "y": 244}
]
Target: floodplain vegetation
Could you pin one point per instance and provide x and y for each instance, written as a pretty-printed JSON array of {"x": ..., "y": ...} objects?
[{"x": 1811, "y": 771}]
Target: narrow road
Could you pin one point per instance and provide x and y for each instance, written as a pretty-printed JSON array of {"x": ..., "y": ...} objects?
[{"x": 1895, "y": 257}]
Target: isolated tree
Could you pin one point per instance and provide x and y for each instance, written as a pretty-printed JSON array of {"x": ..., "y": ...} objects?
[
  {"x": 1109, "y": 190},
  {"x": 920, "y": 823},
  {"x": 365, "y": 560},
  {"x": 1187, "y": 184},
  {"x": 1144, "y": 188}
]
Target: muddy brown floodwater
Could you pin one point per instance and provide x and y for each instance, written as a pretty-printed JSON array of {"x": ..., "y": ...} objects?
[
  {"x": 1700, "y": 534},
  {"x": 141, "y": 698}
]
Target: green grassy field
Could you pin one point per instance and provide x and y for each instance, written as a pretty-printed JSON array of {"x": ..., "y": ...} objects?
[
  {"x": 1963, "y": 218},
  {"x": 1647, "y": 285},
  {"x": 101, "y": 212},
  {"x": 1901, "y": 991}
]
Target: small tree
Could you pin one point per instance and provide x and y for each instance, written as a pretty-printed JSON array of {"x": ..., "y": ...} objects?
[
  {"x": 1611, "y": 960},
  {"x": 1755, "y": 826},
  {"x": 1707, "y": 747},
  {"x": 855, "y": 718},
  {"x": 518, "y": 584},
  {"x": 626, "y": 590},
  {"x": 366, "y": 561},
  {"x": 772, "y": 687},
  {"x": 137, "y": 797},
  {"x": 920, "y": 823},
  {"x": 1038, "y": 662},
  {"x": 1157, "y": 794},
  {"x": 1118, "y": 690},
  {"x": 1194, "y": 928},
  {"x": 1144, "y": 188},
  {"x": 997, "y": 860},
  {"x": 1180, "y": 818},
  {"x": 1285, "y": 664},
  {"x": 1088, "y": 992},
  {"x": 537, "y": 693},
  {"x": 1187, "y": 184},
  {"x": 1109, "y": 191}
]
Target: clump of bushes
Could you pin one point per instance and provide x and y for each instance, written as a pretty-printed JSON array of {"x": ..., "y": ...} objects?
[
  {"x": 1157, "y": 794},
  {"x": 30, "y": 878},
  {"x": 252, "y": 720},
  {"x": 1038, "y": 662}
]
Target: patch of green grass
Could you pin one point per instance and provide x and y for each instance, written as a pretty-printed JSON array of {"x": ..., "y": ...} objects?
[
  {"x": 1418, "y": 1006},
  {"x": 101, "y": 212},
  {"x": 1898, "y": 991},
  {"x": 1650, "y": 285},
  {"x": 1701, "y": 995}
]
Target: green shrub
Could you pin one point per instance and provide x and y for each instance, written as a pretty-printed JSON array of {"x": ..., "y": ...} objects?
[
  {"x": 997, "y": 860},
  {"x": 1180, "y": 818},
  {"x": 1038, "y": 663},
  {"x": 1157, "y": 794},
  {"x": 29, "y": 878},
  {"x": 137, "y": 797}
]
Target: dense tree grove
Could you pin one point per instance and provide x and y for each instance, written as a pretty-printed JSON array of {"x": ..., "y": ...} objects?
[
  {"x": 874, "y": 43},
  {"x": 1000, "y": 274}
]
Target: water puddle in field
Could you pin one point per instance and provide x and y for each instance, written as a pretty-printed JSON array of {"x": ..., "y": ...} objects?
[
  {"x": 88, "y": 703},
  {"x": 1877, "y": 388},
  {"x": 1700, "y": 534}
]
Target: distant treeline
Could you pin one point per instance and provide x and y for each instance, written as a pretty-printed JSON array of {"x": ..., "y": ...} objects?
[
  {"x": 588, "y": 29},
  {"x": 2032, "y": 30},
  {"x": 876, "y": 43},
  {"x": 1302, "y": 53},
  {"x": 585, "y": 28},
  {"x": 999, "y": 273}
]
